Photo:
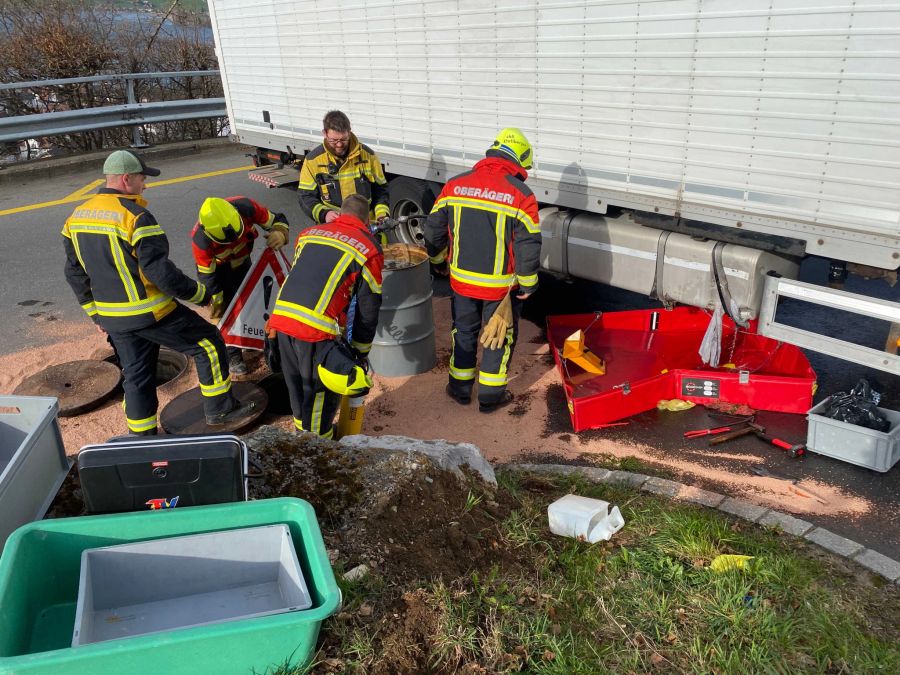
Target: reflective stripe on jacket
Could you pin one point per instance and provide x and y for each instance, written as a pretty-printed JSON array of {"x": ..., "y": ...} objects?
[
  {"x": 209, "y": 254},
  {"x": 326, "y": 180},
  {"x": 332, "y": 262},
  {"x": 485, "y": 225},
  {"x": 117, "y": 263}
]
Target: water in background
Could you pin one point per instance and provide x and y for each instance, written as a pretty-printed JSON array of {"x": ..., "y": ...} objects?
[{"x": 171, "y": 29}]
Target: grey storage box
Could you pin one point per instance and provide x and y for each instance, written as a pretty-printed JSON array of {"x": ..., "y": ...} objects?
[
  {"x": 878, "y": 450},
  {"x": 180, "y": 582},
  {"x": 33, "y": 461}
]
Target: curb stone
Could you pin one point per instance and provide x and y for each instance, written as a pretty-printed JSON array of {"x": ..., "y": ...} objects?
[
  {"x": 695, "y": 495},
  {"x": 878, "y": 563},
  {"x": 661, "y": 486},
  {"x": 834, "y": 542},
  {"x": 742, "y": 509},
  {"x": 627, "y": 478},
  {"x": 789, "y": 524},
  {"x": 846, "y": 548}
]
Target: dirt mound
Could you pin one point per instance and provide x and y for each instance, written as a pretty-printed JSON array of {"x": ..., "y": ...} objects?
[{"x": 385, "y": 509}]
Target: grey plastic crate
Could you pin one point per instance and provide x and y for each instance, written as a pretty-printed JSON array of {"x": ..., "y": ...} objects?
[
  {"x": 180, "y": 582},
  {"x": 33, "y": 461},
  {"x": 851, "y": 443}
]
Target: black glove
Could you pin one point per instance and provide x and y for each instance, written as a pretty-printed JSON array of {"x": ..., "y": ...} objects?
[{"x": 361, "y": 359}]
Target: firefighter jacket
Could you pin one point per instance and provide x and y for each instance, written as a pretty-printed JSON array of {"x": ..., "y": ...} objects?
[
  {"x": 332, "y": 263},
  {"x": 117, "y": 263},
  {"x": 325, "y": 180},
  {"x": 485, "y": 225},
  {"x": 211, "y": 256}
]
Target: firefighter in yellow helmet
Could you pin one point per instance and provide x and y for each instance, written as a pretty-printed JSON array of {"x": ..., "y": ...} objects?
[
  {"x": 483, "y": 231},
  {"x": 117, "y": 263},
  {"x": 222, "y": 241}
]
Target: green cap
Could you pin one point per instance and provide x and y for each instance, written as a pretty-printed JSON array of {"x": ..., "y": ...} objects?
[{"x": 123, "y": 161}]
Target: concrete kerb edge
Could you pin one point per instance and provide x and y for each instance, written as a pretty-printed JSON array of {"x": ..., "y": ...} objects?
[
  {"x": 872, "y": 560},
  {"x": 54, "y": 166}
]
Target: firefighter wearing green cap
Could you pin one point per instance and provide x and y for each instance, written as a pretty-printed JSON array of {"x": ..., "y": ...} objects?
[
  {"x": 222, "y": 241},
  {"x": 483, "y": 231},
  {"x": 117, "y": 264}
]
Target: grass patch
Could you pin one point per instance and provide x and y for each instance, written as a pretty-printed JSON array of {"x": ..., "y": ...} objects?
[{"x": 643, "y": 601}]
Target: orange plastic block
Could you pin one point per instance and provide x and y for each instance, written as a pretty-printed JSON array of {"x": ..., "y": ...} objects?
[{"x": 575, "y": 351}]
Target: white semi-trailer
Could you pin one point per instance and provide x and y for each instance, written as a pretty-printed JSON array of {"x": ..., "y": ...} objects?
[{"x": 682, "y": 147}]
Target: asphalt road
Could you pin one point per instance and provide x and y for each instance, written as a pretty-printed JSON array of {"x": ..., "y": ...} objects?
[
  {"x": 31, "y": 257},
  {"x": 34, "y": 292}
]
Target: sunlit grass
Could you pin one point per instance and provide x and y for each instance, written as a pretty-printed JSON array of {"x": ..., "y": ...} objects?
[{"x": 645, "y": 600}]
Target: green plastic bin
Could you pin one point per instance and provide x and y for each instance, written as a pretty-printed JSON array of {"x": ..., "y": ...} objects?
[{"x": 39, "y": 573}]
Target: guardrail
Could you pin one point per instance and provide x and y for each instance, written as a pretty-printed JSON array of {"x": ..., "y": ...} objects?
[{"x": 132, "y": 113}]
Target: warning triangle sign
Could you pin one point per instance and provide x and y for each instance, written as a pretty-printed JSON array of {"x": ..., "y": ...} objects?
[{"x": 244, "y": 321}]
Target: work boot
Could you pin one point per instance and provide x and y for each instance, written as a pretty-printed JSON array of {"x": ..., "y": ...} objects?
[
  {"x": 238, "y": 412},
  {"x": 236, "y": 365},
  {"x": 456, "y": 396},
  {"x": 503, "y": 401},
  {"x": 147, "y": 432}
]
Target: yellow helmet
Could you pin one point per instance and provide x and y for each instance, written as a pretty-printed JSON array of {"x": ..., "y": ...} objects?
[
  {"x": 512, "y": 142},
  {"x": 339, "y": 371},
  {"x": 357, "y": 383},
  {"x": 220, "y": 220}
]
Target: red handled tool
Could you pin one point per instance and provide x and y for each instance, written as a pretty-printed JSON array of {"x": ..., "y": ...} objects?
[
  {"x": 737, "y": 433},
  {"x": 699, "y": 433},
  {"x": 793, "y": 449}
]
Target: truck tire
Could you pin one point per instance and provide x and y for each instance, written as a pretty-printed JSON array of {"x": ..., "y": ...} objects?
[{"x": 407, "y": 197}]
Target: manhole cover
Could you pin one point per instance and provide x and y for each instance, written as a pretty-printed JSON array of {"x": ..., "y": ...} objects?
[
  {"x": 184, "y": 413},
  {"x": 80, "y": 386},
  {"x": 276, "y": 390}
]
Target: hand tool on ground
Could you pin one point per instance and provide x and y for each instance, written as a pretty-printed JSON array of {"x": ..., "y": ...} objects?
[
  {"x": 733, "y": 434},
  {"x": 698, "y": 433},
  {"x": 793, "y": 449},
  {"x": 794, "y": 487},
  {"x": 730, "y": 418}
]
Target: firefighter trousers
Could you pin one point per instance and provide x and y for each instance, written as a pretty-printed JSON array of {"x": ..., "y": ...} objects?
[
  {"x": 230, "y": 280},
  {"x": 184, "y": 331},
  {"x": 468, "y": 316},
  {"x": 312, "y": 405}
]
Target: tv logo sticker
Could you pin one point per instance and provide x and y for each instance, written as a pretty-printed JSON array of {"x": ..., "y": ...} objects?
[{"x": 162, "y": 503}]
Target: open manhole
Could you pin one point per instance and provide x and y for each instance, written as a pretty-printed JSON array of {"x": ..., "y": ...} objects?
[
  {"x": 276, "y": 389},
  {"x": 169, "y": 366}
]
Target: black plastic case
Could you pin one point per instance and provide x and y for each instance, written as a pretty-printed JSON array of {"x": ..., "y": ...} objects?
[{"x": 162, "y": 473}]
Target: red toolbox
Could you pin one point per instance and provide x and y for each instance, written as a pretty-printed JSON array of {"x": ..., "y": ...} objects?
[{"x": 651, "y": 355}]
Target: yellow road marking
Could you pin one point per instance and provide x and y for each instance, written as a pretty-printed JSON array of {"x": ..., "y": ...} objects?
[
  {"x": 172, "y": 181},
  {"x": 80, "y": 194}
]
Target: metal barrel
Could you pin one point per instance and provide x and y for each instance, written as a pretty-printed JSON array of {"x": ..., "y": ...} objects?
[{"x": 404, "y": 341}]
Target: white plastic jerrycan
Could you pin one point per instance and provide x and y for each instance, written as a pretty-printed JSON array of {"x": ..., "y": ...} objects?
[{"x": 584, "y": 518}]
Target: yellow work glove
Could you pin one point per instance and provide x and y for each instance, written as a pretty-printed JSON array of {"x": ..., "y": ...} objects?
[
  {"x": 276, "y": 239},
  {"x": 217, "y": 307},
  {"x": 494, "y": 334}
]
